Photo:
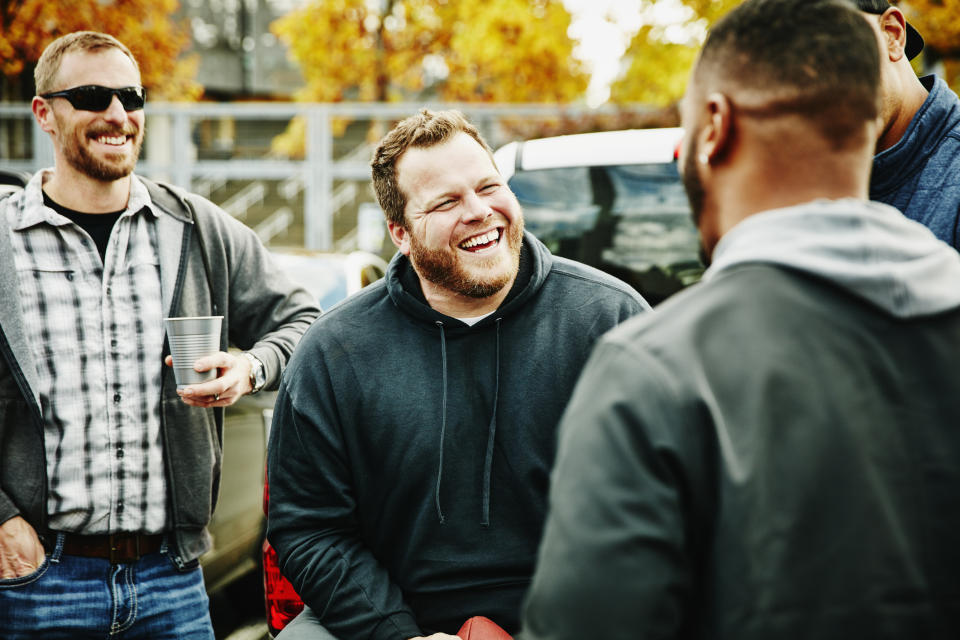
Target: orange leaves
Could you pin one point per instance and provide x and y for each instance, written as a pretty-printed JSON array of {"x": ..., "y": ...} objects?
[
  {"x": 938, "y": 21},
  {"x": 513, "y": 51},
  {"x": 145, "y": 26},
  {"x": 502, "y": 50},
  {"x": 657, "y": 70}
]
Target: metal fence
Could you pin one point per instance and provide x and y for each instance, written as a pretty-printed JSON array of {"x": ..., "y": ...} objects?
[{"x": 227, "y": 152}]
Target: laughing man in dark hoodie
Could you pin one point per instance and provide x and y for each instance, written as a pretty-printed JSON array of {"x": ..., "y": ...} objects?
[{"x": 416, "y": 427}]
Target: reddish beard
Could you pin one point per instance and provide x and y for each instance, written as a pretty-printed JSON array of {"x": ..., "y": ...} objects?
[{"x": 444, "y": 267}]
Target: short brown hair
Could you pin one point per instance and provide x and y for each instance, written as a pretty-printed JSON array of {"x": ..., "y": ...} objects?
[
  {"x": 425, "y": 129},
  {"x": 45, "y": 74}
]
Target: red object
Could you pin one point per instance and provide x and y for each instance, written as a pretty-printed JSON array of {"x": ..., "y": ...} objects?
[
  {"x": 480, "y": 628},
  {"x": 281, "y": 600}
]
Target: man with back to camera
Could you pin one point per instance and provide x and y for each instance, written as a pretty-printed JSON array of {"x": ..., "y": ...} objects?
[
  {"x": 415, "y": 427},
  {"x": 108, "y": 474},
  {"x": 772, "y": 453},
  {"x": 917, "y": 166}
]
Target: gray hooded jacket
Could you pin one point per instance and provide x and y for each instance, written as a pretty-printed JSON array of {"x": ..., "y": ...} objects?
[{"x": 772, "y": 453}]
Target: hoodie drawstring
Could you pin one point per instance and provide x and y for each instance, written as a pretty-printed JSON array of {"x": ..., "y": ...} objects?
[
  {"x": 492, "y": 432},
  {"x": 443, "y": 418}
]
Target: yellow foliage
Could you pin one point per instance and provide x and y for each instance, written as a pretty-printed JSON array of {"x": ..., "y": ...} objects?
[
  {"x": 656, "y": 68},
  {"x": 506, "y": 50},
  {"x": 657, "y": 71},
  {"x": 711, "y": 10},
  {"x": 455, "y": 50},
  {"x": 951, "y": 68},
  {"x": 513, "y": 51},
  {"x": 938, "y": 21},
  {"x": 145, "y": 26}
]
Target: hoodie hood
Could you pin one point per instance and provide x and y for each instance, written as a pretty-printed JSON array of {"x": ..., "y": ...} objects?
[
  {"x": 403, "y": 286},
  {"x": 867, "y": 248}
]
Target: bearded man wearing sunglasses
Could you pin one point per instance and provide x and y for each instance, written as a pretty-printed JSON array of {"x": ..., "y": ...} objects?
[{"x": 108, "y": 472}]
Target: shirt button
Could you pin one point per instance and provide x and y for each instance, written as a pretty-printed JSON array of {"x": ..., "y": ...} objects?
[
  {"x": 113, "y": 343},
  {"x": 119, "y": 452},
  {"x": 109, "y": 290},
  {"x": 116, "y": 398},
  {"x": 119, "y": 506},
  {"x": 69, "y": 275}
]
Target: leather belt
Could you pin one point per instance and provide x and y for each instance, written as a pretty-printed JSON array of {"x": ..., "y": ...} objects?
[{"x": 118, "y": 548}]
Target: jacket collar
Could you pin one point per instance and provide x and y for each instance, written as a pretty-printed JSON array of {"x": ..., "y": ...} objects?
[
  {"x": 33, "y": 211},
  {"x": 939, "y": 113},
  {"x": 171, "y": 227}
]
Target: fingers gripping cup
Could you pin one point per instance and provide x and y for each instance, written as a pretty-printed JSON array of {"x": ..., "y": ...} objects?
[{"x": 192, "y": 338}]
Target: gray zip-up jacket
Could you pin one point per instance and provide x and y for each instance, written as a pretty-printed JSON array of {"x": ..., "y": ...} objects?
[{"x": 210, "y": 264}]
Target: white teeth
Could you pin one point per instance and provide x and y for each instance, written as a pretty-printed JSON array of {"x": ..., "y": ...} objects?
[
  {"x": 115, "y": 140},
  {"x": 488, "y": 237}
]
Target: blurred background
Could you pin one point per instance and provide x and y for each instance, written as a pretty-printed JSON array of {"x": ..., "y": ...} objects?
[{"x": 271, "y": 107}]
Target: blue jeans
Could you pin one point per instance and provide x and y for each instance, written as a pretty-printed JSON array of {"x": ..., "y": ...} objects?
[{"x": 75, "y": 598}]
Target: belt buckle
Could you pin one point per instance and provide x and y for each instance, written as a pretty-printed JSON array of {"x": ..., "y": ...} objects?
[{"x": 120, "y": 548}]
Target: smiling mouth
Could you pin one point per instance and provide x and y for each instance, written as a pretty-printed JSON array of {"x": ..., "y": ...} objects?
[
  {"x": 113, "y": 141},
  {"x": 481, "y": 241}
]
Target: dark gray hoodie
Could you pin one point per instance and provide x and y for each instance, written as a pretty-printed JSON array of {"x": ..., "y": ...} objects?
[{"x": 410, "y": 453}]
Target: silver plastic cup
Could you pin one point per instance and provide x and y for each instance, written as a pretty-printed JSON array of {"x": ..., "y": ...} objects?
[{"x": 191, "y": 338}]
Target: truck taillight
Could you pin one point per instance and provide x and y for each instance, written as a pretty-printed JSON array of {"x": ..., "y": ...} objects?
[{"x": 281, "y": 601}]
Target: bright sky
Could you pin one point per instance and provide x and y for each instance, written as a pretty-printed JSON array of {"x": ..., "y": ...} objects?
[{"x": 604, "y": 29}]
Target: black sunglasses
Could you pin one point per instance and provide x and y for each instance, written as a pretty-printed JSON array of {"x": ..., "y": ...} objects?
[{"x": 93, "y": 97}]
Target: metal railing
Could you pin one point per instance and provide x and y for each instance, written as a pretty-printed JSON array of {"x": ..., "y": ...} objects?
[{"x": 173, "y": 151}]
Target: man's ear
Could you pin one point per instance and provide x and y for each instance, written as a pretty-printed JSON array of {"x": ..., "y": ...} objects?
[
  {"x": 43, "y": 114},
  {"x": 893, "y": 26},
  {"x": 400, "y": 237},
  {"x": 717, "y": 133}
]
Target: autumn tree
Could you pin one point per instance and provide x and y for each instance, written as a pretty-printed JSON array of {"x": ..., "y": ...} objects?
[
  {"x": 451, "y": 50},
  {"x": 938, "y": 21},
  {"x": 656, "y": 72},
  {"x": 656, "y": 65},
  {"x": 659, "y": 57},
  {"x": 147, "y": 27}
]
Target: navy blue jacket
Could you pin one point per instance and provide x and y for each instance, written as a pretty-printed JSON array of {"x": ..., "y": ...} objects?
[
  {"x": 410, "y": 453},
  {"x": 920, "y": 175}
]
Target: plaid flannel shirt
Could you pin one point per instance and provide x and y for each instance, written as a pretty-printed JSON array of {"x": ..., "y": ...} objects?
[{"x": 97, "y": 333}]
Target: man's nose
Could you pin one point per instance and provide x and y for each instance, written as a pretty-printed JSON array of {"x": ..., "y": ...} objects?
[
  {"x": 115, "y": 111},
  {"x": 475, "y": 208}
]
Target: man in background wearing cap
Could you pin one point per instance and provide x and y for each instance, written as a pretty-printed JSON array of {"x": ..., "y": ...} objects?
[{"x": 917, "y": 164}]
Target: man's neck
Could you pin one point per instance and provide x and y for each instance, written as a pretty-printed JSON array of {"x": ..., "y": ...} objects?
[
  {"x": 82, "y": 193},
  {"x": 456, "y": 305},
  {"x": 764, "y": 182},
  {"x": 913, "y": 97}
]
